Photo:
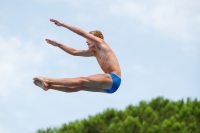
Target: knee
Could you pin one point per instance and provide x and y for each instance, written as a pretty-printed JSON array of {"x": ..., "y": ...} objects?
[{"x": 82, "y": 81}]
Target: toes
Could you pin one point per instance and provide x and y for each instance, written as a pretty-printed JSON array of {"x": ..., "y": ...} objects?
[
  {"x": 35, "y": 82},
  {"x": 41, "y": 85},
  {"x": 38, "y": 83},
  {"x": 37, "y": 78},
  {"x": 42, "y": 80}
]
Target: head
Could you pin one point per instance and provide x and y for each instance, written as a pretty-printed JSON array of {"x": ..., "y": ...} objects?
[{"x": 96, "y": 33}]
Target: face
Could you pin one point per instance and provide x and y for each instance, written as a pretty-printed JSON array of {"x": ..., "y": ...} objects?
[{"x": 90, "y": 44}]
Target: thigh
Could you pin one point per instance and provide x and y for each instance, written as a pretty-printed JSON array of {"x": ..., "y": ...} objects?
[
  {"x": 101, "y": 81},
  {"x": 75, "y": 89}
]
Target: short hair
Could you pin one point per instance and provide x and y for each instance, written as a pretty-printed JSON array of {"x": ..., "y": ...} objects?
[{"x": 97, "y": 33}]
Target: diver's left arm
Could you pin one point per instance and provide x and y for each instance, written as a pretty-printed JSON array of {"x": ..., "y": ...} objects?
[{"x": 78, "y": 31}]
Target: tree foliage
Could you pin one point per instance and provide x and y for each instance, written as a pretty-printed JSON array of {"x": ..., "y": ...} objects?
[{"x": 157, "y": 116}]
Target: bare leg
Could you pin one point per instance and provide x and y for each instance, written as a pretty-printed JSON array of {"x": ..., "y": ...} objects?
[
  {"x": 74, "y": 89},
  {"x": 99, "y": 81},
  {"x": 63, "y": 88},
  {"x": 56, "y": 87},
  {"x": 43, "y": 85},
  {"x": 69, "y": 89}
]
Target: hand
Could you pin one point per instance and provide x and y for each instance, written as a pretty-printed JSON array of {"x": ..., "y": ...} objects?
[
  {"x": 52, "y": 42},
  {"x": 58, "y": 23}
]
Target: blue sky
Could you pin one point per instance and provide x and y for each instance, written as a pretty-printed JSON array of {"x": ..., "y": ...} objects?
[{"x": 156, "y": 41}]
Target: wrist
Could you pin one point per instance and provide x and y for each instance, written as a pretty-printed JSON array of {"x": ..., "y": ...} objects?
[
  {"x": 58, "y": 44},
  {"x": 62, "y": 24}
]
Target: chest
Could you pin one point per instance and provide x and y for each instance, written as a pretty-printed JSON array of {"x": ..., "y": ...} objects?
[{"x": 101, "y": 57}]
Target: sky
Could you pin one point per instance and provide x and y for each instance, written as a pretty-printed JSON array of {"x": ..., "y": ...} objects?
[{"x": 156, "y": 42}]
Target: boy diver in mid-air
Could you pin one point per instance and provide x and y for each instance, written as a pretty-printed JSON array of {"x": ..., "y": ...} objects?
[{"x": 108, "y": 82}]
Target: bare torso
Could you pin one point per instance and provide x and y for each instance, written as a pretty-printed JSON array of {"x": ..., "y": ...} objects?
[{"x": 106, "y": 59}]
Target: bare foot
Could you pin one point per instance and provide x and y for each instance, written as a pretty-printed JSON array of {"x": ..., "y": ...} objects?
[
  {"x": 39, "y": 84},
  {"x": 40, "y": 81}
]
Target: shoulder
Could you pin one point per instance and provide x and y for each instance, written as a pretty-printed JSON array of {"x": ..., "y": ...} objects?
[{"x": 102, "y": 45}]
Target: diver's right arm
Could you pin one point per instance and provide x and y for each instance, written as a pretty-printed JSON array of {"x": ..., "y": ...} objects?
[{"x": 70, "y": 50}]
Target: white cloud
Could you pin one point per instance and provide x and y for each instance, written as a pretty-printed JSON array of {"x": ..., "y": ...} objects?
[
  {"x": 176, "y": 18},
  {"x": 16, "y": 56}
]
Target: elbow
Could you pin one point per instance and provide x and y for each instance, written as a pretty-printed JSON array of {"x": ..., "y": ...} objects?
[{"x": 74, "y": 53}]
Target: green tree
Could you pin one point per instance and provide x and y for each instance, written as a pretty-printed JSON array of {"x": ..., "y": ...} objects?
[{"x": 157, "y": 116}]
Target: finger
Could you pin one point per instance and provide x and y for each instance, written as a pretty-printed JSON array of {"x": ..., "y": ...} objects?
[
  {"x": 47, "y": 40},
  {"x": 51, "y": 42},
  {"x": 52, "y": 20}
]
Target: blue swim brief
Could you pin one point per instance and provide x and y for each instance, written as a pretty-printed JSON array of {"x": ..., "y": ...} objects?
[{"x": 116, "y": 83}]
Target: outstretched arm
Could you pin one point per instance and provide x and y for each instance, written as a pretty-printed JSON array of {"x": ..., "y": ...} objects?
[
  {"x": 70, "y": 50},
  {"x": 77, "y": 31}
]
